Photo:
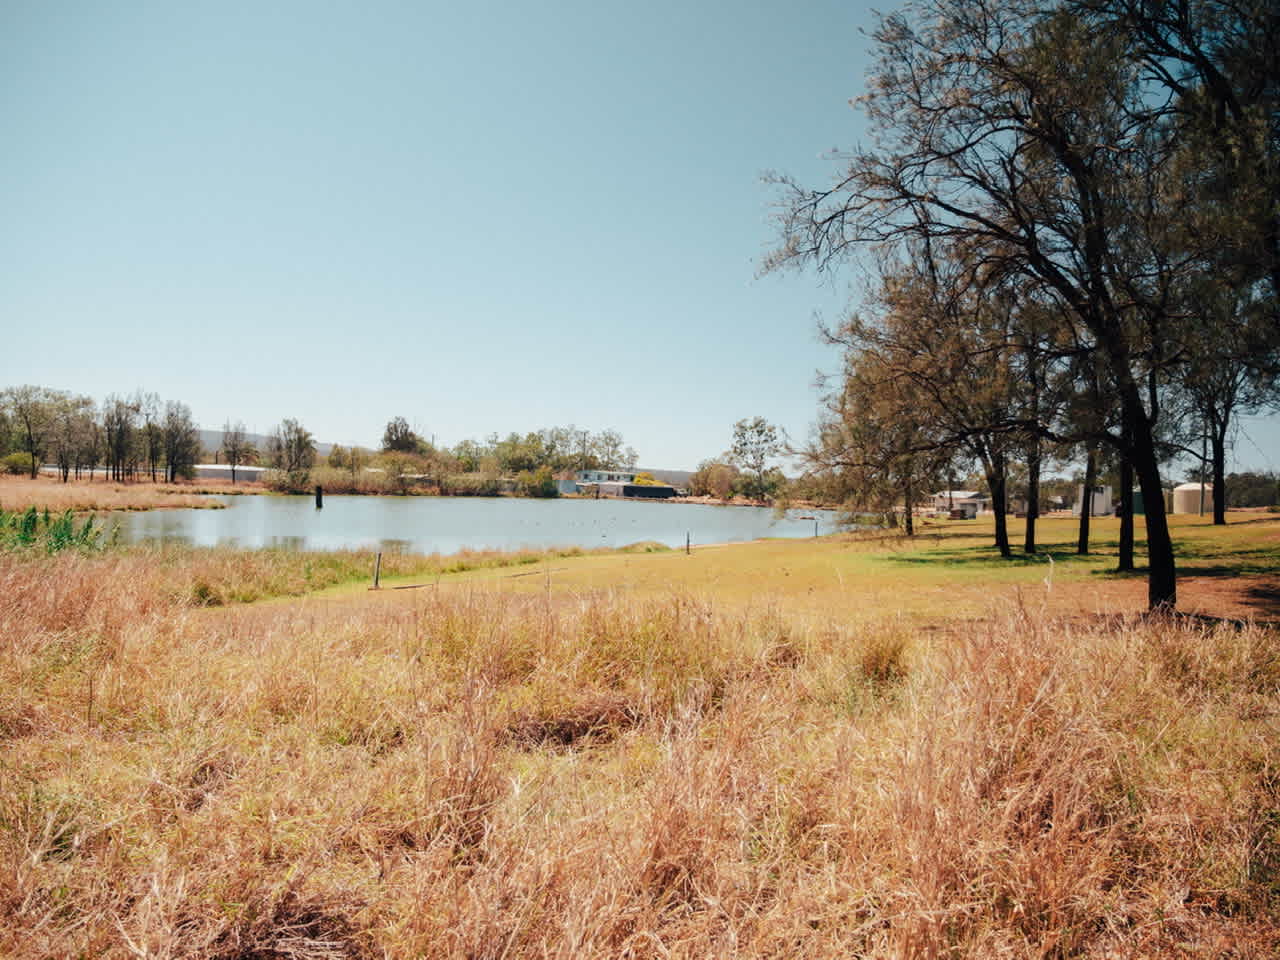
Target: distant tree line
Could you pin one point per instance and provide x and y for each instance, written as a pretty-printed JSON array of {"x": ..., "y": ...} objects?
[
  {"x": 527, "y": 463},
  {"x": 128, "y": 436},
  {"x": 139, "y": 436}
]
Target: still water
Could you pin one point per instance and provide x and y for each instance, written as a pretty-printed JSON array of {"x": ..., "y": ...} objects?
[{"x": 449, "y": 524}]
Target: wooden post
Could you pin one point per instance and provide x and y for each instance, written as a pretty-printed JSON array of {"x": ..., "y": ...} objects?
[
  {"x": 319, "y": 497},
  {"x": 815, "y": 527},
  {"x": 377, "y": 570},
  {"x": 687, "y": 551}
]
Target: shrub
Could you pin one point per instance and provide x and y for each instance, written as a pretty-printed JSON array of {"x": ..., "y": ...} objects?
[
  {"x": 17, "y": 464},
  {"x": 537, "y": 483},
  {"x": 295, "y": 481}
]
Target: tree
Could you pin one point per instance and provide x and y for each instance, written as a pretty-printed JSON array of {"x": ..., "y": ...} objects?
[
  {"x": 1016, "y": 137},
  {"x": 152, "y": 415},
  {"x": 1211, "y": 71},
  {"x": 755, "y": 441},
  {"x": 71, "y": 434},
  {"x": 181, "y": 441},
  {"x": 610, "y": 451},
  {"x": 873, "y": 443},
  {"x": 399, "y": 437},
  {"x": 119, "y": 426},
  {"x": 292, "y": 451},
  {"x": 929, "y": 372},
  {"x": 357, "y": 459},
  {"x": 88, "y": 442},
  {"x": 237, "y": 448},
  {"x": 714, "y": 478},
  {"x": 32, "y": 410}
]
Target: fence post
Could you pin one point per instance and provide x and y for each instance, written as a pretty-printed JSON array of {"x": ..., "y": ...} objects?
[
  {"x": 377, "y": 570},
  {"x": 687, "y": 551},
  {"x": 319, "y": 497}
]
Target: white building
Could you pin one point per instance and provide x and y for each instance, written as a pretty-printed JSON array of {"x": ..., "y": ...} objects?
[
  {"x": 969, "y": 501},
  {"x": 1188, "y": 497},
  {"x": 604, "y": 476},
  {"x": 573, "y": 482},
  {"x": 1101, "y": 501}
]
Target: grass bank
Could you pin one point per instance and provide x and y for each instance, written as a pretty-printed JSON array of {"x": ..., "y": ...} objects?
[{"x": 593, "y": 763}]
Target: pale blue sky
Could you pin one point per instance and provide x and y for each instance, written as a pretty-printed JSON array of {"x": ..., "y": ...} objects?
[{"x": 482, "y": 217}]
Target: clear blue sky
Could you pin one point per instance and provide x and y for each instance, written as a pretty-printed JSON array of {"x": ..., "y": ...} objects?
[{"x": 479, "y": 216}]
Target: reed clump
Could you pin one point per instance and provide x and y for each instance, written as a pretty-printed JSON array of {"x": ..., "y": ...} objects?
[
  {"x": 473, "y": 771},
  {"x": 90, "y": 496}
]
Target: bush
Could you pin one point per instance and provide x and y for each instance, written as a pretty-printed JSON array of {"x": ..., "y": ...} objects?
[
  {"x": 18, "y": 464},
  {"x": 295, "y": 481},
  {"x": 472, "y": 485},
  {"x": 537, "y": 483}
]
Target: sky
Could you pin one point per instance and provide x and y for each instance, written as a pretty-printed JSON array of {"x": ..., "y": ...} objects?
[{"x": 483, "y": 217}]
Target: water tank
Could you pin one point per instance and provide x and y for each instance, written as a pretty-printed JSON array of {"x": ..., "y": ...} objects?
[{"x": 1186, "y": 498}]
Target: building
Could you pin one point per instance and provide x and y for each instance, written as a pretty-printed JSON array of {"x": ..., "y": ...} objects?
[
  {"x": 1100, "y": 502},
  {"x": 645, "y": 491},
  {"x": 604, "y": 476},
  {"x": 573, "y": 482},
  {"x": 969, "y": 502},
  {"x": 1187, "y": 498},
  {"x": 220, "y": 471}
]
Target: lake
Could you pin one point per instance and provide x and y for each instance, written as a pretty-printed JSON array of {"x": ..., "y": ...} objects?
[{"x": 449, "y": 524}]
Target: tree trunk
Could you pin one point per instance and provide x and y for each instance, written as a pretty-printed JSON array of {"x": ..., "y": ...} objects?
[
  {"x": 1033, "y": 495},
  {"x": 31, "y": 448},
  {"x": 1086, "y": 502},
  {"x": 1125, "y": 564},
  {"x": 1162, "y": 575},
  {"x": 1219, "y": 440},
  {"x": 995, "y": 480},
  {"x": 907, "y": 511}
]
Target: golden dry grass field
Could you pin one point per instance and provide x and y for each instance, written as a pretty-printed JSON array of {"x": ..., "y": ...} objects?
[{"x": 854, "y": 746}]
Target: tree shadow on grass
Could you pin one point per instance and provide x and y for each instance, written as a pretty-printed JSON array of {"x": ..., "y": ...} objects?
[
  {"x": 987, "y": 555},
  {"x": 1265, "y": 597}
]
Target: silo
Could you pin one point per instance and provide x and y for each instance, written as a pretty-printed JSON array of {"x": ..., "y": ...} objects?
[{"x": 1186, "y": 498}]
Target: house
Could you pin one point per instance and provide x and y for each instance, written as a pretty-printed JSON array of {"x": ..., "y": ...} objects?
[
  {"x": 574, "y": 481},
  {"x": 605, "y": 476},
  {"x": 969, "y": 502},
  {"x": 613, "y": 483}
]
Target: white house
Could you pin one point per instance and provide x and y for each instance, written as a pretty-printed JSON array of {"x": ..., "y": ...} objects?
[
  {"x": 970, "y": 501},
  {"x": 605, "y": 476},
  {"x": 573, "y": 482}
]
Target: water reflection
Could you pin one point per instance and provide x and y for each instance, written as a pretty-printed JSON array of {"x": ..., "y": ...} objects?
[{"x": 451, "y": 524}]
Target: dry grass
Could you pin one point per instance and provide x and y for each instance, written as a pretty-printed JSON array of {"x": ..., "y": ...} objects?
[
  {"x": 83, "y": 496},
  {"x": 471, "y": 771}
]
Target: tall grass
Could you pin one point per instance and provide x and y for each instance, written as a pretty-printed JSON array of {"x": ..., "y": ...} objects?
[
  {"x": 47, "y": 493},
  {"x": 473, "y": 772}
]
